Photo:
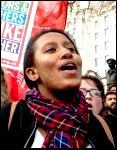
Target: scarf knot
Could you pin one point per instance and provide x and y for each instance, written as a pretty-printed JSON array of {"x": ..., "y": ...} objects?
[{"x": 67, "y": 124}]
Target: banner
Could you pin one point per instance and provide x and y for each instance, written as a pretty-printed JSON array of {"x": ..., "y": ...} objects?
[
  {"x": 21, "y": 20},
  {"x": 50, "y": 14},
  {"x": 16, "y": 84},
  {"x": 15, "y": 20}
]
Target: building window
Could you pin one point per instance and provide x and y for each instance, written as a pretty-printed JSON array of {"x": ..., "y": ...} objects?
[
  {"x": 74, "y": 20},
  {"x": 96, "y": 36},
  {"x": 106, "y": 45},
  {"x": 106, "y": 32},
  {"x": 106, "y": 58},
  {"x": 74, "y": 30},
  {"x": 105, "y": 19},
  {"x": 96, "y": 24},
  {"x": 96, "y": 48},
  {"x": 96, "y": 62}
]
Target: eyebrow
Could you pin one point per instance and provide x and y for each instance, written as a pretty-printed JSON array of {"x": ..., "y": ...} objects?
[
  {"x": 55, "y": 43},
  {"x": 89, "y": 89},
  {"x": 67, "y": 42},
  {"x": 49, "y": 43}
]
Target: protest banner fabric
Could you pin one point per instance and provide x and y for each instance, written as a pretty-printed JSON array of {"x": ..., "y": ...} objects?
[{"x": 21, "y": 20}]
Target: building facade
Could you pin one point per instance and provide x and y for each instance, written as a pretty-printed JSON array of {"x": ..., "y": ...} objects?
[{"x": 95, "y": 34}]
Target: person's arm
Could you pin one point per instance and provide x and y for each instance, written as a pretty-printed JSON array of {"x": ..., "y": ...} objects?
[{"x": 5, "y": 111}]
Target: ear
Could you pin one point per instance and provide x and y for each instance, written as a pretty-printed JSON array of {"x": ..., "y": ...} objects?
[
  {"x": 105, "y": 104},
  {"x": 32, "y": 74}
]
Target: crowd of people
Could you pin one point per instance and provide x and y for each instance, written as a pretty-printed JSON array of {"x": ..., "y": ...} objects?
[{"x": 59, "y": 110}]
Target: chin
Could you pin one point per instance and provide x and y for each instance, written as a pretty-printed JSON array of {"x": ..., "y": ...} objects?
[
  {"x": 72, "y": 87},
  {"x": 63, "y": 86},
  {"x": 75, "y": 84}
]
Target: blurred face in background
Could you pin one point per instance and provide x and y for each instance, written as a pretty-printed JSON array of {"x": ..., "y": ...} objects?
[
  {"x": 113, "y": 89},
  {"x": 93, "y": 95},
  {"x": 110, "y": 103}
]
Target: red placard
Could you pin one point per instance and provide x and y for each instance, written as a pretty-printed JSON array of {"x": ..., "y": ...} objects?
[
  {"x": 15, "y": 20},
  {"x": 49, "y": 14},
  {"x": 53, "y": 14}
]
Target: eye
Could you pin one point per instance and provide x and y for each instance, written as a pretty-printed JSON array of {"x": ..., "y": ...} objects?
[
  {"x": 84, "y": 91},
  {"x": 96, "y": 93},
  {"x": 72, "y": 49},
  {"x": 51, "y": 50}
]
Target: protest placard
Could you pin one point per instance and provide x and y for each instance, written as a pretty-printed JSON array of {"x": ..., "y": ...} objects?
[
  {"x": 16, "y": 25},
  {"x": 21, "y": 20}
]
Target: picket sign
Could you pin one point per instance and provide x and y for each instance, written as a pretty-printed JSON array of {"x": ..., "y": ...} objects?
[{"x": 21, "y": 20}]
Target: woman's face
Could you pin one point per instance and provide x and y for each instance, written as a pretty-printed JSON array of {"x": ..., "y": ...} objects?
[
  {"x": 94, "y": 103},
  {"x": 57, "y": 64}
]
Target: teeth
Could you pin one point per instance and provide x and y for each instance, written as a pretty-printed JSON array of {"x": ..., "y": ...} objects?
[{"x": 69, "y": 67}]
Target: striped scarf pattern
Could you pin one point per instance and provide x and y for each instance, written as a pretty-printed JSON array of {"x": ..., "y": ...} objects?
[{"x": 67, "y": 124}]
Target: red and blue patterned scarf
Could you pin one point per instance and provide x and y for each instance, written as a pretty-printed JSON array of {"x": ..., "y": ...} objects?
[{"x": 68, "y": 124}]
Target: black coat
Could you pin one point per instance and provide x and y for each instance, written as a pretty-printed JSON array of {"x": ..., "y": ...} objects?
[
  {"x": 112, "y": 123},
  {"x": 24, "y": 125}
]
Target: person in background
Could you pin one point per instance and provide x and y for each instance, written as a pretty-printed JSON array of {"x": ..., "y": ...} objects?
[
  {"x": 112, "y": 87},
  {"x": 93, "y": 90},
  {"x": 111, "y": 114},
  {"x": 110, "y": 103},
  {"x": 54, "y": 113},
  {"x": 4, "y": 89},
  {"x": 111, "y": 73}
]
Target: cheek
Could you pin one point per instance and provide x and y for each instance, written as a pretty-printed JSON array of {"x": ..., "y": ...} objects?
[
  {"x": 79, "y": 60},
  {"x": 45, "y": 64},
  {"x": 97, "y": 102},
  {"x": 45, "y": 69},
  {"x": 108, "y": 103}
]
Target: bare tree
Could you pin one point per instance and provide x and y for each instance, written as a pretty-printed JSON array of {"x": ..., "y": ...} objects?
[{"x": 95, "y": 8}]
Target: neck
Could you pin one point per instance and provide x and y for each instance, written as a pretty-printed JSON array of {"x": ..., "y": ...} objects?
[
  {"x": 61, "y": 96},
  {"x": 65, "y": 96},
  {"x": 113, "y": 113}
]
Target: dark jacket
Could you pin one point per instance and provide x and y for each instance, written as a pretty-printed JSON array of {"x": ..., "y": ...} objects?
[
  {"x": 24, "y": 125},
  {"x": 112, "y": 123}
]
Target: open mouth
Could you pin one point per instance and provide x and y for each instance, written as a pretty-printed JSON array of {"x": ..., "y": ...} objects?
[
  {"x": 89, "y": 106},
  {"x": 68, "y": 66}
]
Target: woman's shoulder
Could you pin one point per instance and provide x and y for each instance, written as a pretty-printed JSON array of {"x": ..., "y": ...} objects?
[
  {"x": 97, "y": 133},
  {"x": 5, "y": 108}
]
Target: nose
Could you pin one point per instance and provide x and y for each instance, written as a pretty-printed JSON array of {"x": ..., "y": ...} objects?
[
  {"x": 66, "y": 54},
  {"x": 88, "y": 96},
  {"x": 114, "y": 100}
]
